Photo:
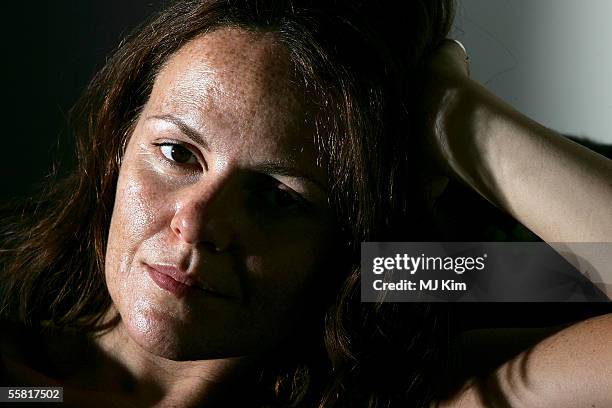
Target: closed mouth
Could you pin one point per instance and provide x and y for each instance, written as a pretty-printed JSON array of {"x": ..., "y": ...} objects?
[{"x": 179, "y": 283}]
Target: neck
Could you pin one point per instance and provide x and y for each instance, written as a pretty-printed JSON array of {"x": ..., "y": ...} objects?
[{"x": 146, "y": 377}]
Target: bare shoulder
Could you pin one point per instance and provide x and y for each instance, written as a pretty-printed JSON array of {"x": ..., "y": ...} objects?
[
  {"x": 30, "y": 357},
  {"x": 18, "y": 349},
  {"x": 36, "y": 356}
]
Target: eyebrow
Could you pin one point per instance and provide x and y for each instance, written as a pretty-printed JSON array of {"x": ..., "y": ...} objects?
[
  {"x": 185, "y": 128},
  {"x": 267, "y": 167}
]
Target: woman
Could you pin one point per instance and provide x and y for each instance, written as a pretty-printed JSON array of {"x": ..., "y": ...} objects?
[{"x": 233, "y": 155}]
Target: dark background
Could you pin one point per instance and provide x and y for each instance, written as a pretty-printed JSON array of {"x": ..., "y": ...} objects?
[{"x": 51, "y": 52}]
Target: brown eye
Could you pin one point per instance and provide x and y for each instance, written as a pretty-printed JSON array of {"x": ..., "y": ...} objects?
[{"x": 178, "y": 154}]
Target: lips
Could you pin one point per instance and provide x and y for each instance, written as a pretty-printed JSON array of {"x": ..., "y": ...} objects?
[{"x": 179, "y": 283}]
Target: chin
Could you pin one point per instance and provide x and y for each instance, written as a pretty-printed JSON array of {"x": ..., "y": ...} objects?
[
  {"x": 166, "y": 337},
  {"x": 154, "y": 335}
]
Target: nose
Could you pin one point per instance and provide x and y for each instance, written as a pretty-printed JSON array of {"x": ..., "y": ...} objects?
[{"x": 201, "y": 217}]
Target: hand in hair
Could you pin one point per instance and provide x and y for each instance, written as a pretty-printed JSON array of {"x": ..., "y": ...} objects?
[{"x": 558, "y": 189}]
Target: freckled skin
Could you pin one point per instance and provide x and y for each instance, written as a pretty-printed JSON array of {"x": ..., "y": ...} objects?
[{"x": 235, "y": 89}]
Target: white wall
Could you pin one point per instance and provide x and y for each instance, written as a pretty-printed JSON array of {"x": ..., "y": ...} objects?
[{"x": 551, "y": 59}]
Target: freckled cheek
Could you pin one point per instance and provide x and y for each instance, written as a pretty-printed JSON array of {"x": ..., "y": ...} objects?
[
  {"x": 139, "y": 205},
  {"x": 138, "y": 214}
]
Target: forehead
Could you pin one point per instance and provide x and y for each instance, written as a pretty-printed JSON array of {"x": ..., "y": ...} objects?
[{"x": 237, "y": 85}]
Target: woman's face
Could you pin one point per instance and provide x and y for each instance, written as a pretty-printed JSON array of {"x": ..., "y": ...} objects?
[{"x": 221, "y": 224}]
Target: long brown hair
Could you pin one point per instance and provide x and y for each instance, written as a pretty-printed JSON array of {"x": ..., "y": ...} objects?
[{"x": 363, "y": 62}]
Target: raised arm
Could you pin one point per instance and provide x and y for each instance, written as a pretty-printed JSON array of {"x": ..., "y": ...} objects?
[{"x": 555, "y": 187}]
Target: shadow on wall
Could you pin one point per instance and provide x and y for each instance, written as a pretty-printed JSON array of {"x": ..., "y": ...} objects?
[{"x": 548, "y": 58}]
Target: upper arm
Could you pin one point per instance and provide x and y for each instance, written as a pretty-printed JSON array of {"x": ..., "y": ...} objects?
[{"x": 571, "y": 368}]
